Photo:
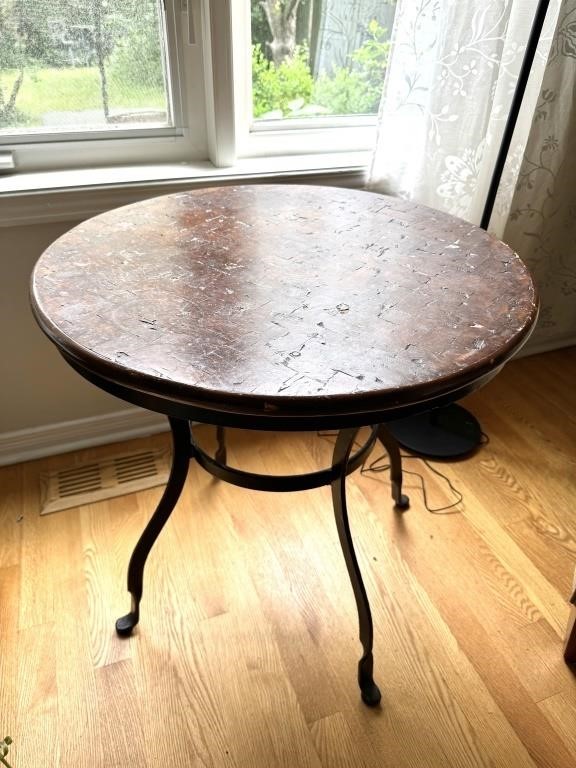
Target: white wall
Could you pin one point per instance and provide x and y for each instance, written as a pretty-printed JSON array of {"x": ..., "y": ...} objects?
[{"x": 37, "y": 387}]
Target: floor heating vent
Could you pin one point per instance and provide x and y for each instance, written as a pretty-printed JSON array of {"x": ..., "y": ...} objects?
[{"x": 103, "y": 479}]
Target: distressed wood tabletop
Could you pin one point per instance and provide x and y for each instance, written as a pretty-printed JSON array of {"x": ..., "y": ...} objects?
[{"x": 284, "y": 296}]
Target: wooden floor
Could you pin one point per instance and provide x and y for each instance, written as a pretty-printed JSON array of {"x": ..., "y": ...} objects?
[{"x": 247, "y": 647}]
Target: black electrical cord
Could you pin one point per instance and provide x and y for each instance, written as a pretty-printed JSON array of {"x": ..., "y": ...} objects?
[
  {"x": 376, "y": 466},
  {"x": 449, "y": 509}
]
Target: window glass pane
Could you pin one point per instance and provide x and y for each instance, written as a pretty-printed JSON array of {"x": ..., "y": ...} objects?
[
  {"x": 81, "y": 65},
  {"x": 313, "y": 58}
]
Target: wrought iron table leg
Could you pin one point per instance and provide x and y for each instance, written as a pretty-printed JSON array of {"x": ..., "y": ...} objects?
[
  {"x": 180, "y": 464},
  {"x": 220, "y": 454},
  {"x": 389, "y": 442},
  {"x": 570, "y": 642},
  {"x": 369, "y": 690}
]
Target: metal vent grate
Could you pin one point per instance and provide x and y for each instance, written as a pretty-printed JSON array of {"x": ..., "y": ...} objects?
[{"x": 104, "y": 479}]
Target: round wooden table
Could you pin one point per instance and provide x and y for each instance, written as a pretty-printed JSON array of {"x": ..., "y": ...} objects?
[{"x": 282, "y": 307}]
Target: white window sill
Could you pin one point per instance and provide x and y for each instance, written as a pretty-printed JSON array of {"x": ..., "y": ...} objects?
[{"x": 73, "y": 195}]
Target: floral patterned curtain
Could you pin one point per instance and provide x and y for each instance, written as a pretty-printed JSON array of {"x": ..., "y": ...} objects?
[
  {"x": 450, "y": 81},
  {"x": 541, "y": 226}
]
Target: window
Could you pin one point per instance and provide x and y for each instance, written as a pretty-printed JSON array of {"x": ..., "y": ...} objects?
[
  {"x": 318, "y": 59},
  {"x": 316, "y": 72},
  {"x": 83, "y": 65},
  {"x": 100, "y": 82}
]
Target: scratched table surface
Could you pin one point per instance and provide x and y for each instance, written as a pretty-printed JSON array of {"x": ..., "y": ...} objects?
[{"x": 286, "y": 297}]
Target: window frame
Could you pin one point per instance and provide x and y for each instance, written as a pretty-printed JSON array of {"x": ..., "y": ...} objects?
[
  {"x": 208, "y": 50},
  {"x": 184, "y": 141},
  {"x": 263, "y": 138}
]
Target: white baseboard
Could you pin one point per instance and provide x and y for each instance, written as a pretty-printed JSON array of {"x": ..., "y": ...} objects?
[{"x": 36, "y": 442}]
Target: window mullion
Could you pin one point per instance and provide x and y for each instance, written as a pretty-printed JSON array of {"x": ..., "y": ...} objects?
[{"x": 219, "y": 81}]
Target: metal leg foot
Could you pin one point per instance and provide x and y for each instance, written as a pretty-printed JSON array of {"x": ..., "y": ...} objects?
[
  {"x": 180, "y": 464},
  {"x": 369, "y": 690},
  {"x": 125, "y": 624},
  {"x": 401, "y": 501}
]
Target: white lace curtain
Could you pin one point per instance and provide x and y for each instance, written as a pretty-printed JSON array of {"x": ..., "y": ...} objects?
[{"x": 450, "y": 81}]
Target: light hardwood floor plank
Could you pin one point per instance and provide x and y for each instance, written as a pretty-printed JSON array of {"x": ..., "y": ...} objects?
[
  {"x": 10, "y": 659},
  {"x": 246, "y": 652},
  {"x": 11, "y": 515},
  {"x": 335, "y": 742},
  {"x": 106, "y": 534},
  {"x": 467, "y": 606},
  {"x": 561, "y": 712},
  {"x": 37, "y": 733},
  {"x": 261, "y": 715},
  {"x": 79, "y": 736},
  {"x": 119, "y": 710}
]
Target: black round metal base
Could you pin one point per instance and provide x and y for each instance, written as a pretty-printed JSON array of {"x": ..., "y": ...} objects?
[{"x": 443, "y": 433}]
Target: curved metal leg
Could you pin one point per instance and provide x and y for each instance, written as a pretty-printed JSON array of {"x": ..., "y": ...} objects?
[
  {"x": 220, "y": 455},
  {"x": 570, "y": 642},
  {"x": 180, "y": 464},
  {"x": 369, "y": 690},
  {"x": 401, "y": 501}
]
